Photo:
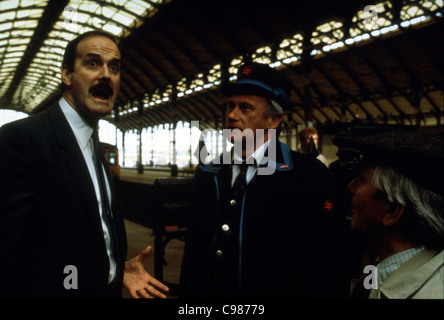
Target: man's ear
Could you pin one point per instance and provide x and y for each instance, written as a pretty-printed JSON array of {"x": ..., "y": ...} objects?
[
  {"x": 393, "y": 214},
  {"x": 66, "y": 76},
  {"x": 274, "y": 121}
]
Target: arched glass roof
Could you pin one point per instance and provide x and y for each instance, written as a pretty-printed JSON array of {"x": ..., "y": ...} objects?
[
  {"x": 344, "y": 64},
  {"x": 33, "y": 35},
  {"x": 368, "y": 25}
]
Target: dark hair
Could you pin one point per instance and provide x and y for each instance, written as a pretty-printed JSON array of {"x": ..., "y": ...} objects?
[
  {"x": 71, "y": 48},
  {"x": 306, "y": 132}
]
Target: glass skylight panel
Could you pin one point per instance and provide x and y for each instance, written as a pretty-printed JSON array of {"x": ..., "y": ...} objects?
[
  {"x": 13, "y": 55},
  {"x": 46, "y": 62},
  {"x": 20, "y": 41},
  {"x": 58, "y": 51},
  {"x": 13, "y": 48},
  {"x": 139, "y": 8},
  {"x": 328, "y": 33},
  {"x": 108, "y": 12},
  {"x": 87, "y": 6},
  {"x": 29, "y": 13},
  {"x": 57, "y": 43},
  {"x": 124, "y": 18},
  {"x": 262, "y": 55},
  {"x": 5, "y": 26},
  {"x": 290, "y": 48},
  {"x": 22, "y": 33},
  {"x": 9, "y": 4},
  {"x": 25, "y": 24},
  {"x": 50, "y": 57},
  {"x": 10, "y": 60},
  {"x": 112, "y": 29},
  {"x": 6, "y": 16},
  {"x": 82, "y": 17}
]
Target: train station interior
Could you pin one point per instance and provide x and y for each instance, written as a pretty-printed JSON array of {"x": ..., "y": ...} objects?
[{"x": 352, "y": 64}]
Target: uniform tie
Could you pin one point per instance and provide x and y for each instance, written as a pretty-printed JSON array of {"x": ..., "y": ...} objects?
[{"x": 240, "y": 182}]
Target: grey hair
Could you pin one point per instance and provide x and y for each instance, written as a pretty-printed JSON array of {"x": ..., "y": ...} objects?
[
  {"x": 273, "y": 108},
  {"x": 401, "y": 190}
]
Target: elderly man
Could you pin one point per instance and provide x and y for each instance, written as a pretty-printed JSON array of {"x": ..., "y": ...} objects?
[
  {"x": 263, "y": 223},
  {"x": 60, "y": 232},
  {"x": 398, "y": 205}
]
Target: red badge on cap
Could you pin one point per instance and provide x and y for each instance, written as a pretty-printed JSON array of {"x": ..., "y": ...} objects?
[{"x": 247, "y": 70}]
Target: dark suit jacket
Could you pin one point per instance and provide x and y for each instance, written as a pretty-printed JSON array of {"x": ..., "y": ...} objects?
[
  {"x": 284, "y": 243},
  {"x": 49, "y": 217}
]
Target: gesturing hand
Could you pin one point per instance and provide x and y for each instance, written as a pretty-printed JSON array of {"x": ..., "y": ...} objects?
[{"x": 140, "y": 283}]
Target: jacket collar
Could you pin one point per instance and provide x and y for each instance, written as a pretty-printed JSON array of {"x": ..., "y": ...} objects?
[
  {"x": 74, "y": 157},
  {"x": 411, "y": 276},
  {"x": 283, "y": 161}
]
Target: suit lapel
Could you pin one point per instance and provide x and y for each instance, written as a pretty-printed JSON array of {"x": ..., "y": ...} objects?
[{"x": 74, "y": 160}]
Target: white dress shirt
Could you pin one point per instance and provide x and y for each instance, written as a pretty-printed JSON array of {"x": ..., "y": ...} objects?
[
  {"x": 83, "y": 133},
  {"x": 258, "y": 156}
]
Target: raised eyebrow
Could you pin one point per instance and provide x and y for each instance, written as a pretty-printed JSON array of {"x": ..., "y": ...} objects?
[
  {"x": 98, "y": 56},
  {"x": 115, "y": 60},
  {"x": 93, "y": 55}
]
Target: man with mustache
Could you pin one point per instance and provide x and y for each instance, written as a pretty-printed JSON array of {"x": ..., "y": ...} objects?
[
  {"x": 61, "y": 234},
  {"x": 266, "y": 229}
]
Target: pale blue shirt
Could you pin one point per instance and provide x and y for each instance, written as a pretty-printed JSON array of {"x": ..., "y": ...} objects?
[
  {"x": 386, "y": 267},
  {"x": 392, "y": 263},
  {"x": 83, "y": 133}
]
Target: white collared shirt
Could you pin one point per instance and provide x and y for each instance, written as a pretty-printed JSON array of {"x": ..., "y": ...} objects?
[
  {"x": 83, "y": 133},
  {"x": 258, "y": 156}
]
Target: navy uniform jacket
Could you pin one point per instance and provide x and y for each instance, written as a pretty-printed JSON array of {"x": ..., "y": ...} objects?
[
  {"x": 283, "y": 241},
  {"x": 49, "y": 217}
]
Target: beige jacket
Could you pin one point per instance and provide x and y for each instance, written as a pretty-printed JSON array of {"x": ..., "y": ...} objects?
[{"x": 421, "y": 277}]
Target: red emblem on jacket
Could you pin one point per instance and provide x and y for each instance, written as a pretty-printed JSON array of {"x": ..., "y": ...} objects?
[{"x": 328, "y": 205}]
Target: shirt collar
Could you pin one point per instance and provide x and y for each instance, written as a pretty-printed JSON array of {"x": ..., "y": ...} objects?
[
  {"x": 81, "y": 129},
  {"x": 257, "y": 155},
  {"x": 390, "y": 264}
]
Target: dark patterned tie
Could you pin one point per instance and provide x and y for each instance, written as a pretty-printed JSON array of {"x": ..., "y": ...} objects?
[
  {"x": 99, "y": 161},
  {"x": 240, "y": 182}
]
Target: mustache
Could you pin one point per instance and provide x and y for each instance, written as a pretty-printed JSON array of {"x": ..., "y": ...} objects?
[{"x": 102, "y": 86}]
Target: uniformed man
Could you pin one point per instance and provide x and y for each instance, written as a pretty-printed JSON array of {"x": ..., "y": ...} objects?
[{"x": 258, "y": 232}]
